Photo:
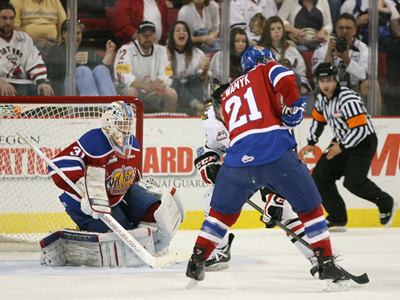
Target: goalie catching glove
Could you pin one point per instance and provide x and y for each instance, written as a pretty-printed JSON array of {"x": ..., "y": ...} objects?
[
  {"x": 208, "y": 165},
  {"x": 273, "y": 210},
  {"x": 293, "y": 115}
]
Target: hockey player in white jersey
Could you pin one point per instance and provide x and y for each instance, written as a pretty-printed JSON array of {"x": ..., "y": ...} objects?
[
  {"x": 276, "y": 207},
  {"x": 22, "y": 70}
]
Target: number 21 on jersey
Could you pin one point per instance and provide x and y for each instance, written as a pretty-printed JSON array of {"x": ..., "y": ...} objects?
[{"x": 233, "y": 105}]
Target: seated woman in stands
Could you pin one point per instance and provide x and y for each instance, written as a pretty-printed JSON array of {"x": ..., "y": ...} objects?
[
  {"x": 238, "y": 44},
  {"x": 93, "y": 72},
  {"x": 190, "y": 68},
  {"x": 274, "y": 39},
  {"x": 202, "y": 17},
  {"x": 308, "y": 24}
]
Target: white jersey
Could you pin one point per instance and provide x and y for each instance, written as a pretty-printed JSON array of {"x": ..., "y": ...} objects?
[
  {"x": 293, "y": 60},
  {"x": 210, "y": 19},
  {"x": 217, "y": 134},
  {"x": 350, "y": 7},
  {"x": 20, "y": 60},
  {"x": 355, "y": 72},
  {"x": 132, "y": 65},
  {"x": 182, "y": 71},
  {"x": 245, "y": 14}
]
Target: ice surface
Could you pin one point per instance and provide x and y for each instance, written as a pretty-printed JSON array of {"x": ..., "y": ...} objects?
[{"x": 265, "y": 265}]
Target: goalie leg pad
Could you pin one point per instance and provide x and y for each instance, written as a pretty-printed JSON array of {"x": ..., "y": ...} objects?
[
  {"x": 73, "y": 247},
  {"x": 168, "y": 216}
]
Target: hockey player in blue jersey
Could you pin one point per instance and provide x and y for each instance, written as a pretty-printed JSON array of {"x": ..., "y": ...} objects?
[
  {"x": 134, "y": 203},
  {"x": 261, "y": 154}
]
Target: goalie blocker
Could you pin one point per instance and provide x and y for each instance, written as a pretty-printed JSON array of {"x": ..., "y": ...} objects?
[{"x": 74, "y": 247}]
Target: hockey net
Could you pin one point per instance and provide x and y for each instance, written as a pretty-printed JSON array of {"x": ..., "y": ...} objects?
[{"x": 29, "y": 203}]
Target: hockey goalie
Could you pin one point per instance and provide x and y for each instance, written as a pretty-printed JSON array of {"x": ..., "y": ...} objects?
[{"x": 104, "y": 164}]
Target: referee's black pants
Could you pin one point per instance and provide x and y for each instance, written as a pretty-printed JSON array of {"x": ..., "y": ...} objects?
[{"x": 354, "y": 165}]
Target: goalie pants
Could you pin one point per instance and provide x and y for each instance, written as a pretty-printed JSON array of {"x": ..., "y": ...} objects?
[
  {"x": 354, "y": 165},
  {"x": 128, "y": 212}
]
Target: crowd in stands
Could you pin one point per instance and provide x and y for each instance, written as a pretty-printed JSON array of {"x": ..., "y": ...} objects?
[{"x": 168, "y": 52}]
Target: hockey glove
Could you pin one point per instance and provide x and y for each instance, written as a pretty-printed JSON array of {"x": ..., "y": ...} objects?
[
  {"x": 273, "y": 210},
  {"x": 208, "y": 166},
  {"x": 293, "y": 115}
]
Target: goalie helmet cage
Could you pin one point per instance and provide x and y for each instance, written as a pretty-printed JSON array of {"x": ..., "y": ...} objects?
[{"x": 29, "y": 203}]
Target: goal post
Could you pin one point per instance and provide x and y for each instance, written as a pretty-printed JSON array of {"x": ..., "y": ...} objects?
[{"x": 29, "y": 203}]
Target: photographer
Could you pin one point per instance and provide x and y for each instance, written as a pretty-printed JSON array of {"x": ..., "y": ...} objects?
[{"x": 349, "y": 55}]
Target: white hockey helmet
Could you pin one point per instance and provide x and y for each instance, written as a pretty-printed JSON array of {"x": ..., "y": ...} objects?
[{"x": 119, "y": 123}]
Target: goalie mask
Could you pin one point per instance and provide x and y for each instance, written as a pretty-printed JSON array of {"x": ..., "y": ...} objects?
[
  {"x": 119, "y": 123},
  {"x": 216, "y": 99}
]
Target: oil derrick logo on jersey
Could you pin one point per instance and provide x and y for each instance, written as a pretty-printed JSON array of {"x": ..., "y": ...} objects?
[
  {"x": 14, "y": 66},
  {"x": 120, "y": 180}
]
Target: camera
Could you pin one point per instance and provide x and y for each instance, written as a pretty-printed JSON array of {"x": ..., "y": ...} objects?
[{"x": 341, "y": 44}]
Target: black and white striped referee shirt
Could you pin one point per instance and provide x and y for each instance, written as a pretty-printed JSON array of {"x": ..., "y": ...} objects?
[{"x": 345, "y": 113}]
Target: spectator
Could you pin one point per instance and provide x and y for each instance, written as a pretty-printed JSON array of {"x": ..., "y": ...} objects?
[
  {"x": 189, "y": 75},
  {"x": 202, "y": 17},
  {"x": 251, "y": 15},
  {"x": 388, "y": 21},
  {"x": 350, "y": 153},
  {"x": 144, "y": 71},
  {"x": 93, "y": 72},
  {"x": 41, "y": 19},
  {"x": 274, "y": 39},
  {"x": 307, "y": 22},
  {"x": 23, "y": 72},
  {"x": 132, "y": 12},
  {"x": 334, "y": 6},
  {"x": 351, "y": 61},
  {"x": 238, "y": 44}
]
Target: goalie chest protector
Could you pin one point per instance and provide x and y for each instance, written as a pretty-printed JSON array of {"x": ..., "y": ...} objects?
[{"x": 93, "y": 148}]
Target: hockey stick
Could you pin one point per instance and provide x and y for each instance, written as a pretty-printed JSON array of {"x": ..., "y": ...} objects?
[
  {"x": 362, "y": 279},
  {"x": 292, "y": 133},
  {"x": 131, "y": 242}
]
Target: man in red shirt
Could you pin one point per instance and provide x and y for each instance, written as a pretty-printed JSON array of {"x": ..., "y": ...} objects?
[{"x": 132, "y": 12}]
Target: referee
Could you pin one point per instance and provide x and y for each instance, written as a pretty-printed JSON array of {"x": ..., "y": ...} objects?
[{"x": 350, "y": 152}]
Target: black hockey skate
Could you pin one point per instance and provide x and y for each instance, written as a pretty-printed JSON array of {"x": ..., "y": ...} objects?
[
  {"x": 196, "y": 264},
  {"x": 219, "y": 258},
  {"x": 387, "y": 209},
  {"x": 333, "y": 277},
  {"x": 336, "y": 227}
]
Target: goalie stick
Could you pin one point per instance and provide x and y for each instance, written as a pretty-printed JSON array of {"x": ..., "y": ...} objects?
[
  {"x": 362, "y": 279},
  {"x": 131, "y": 242}
]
